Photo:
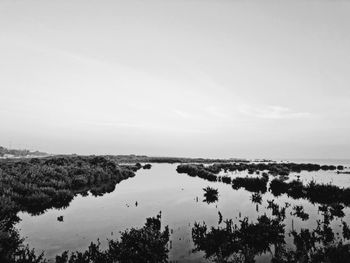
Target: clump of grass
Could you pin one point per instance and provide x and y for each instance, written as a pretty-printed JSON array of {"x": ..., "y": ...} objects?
[
  {"x": 210, "y": 195},
  {"x": 280, "y": 213},
  {"x": 346, "y": 231},
  {"x": 256, "y": 198},
  {"x": 336, "y": 210},
  {"x": 299, "y": 212},
  {"x": 147, "y": 166}
]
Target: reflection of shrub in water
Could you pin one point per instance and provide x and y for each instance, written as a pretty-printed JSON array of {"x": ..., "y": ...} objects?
[
  {"x": 336, "y": 210},
  {"x": 147, "y": 244},
  {"x": 241, "y": 242},
  {"x": 280, "y": 213},
  {"x": 273, "y": 168},
  {"x": 346, "y": 231},
  {"x": 316, "y": 193},
  {"x": 210, "y": 195},
  {"x": 38, "y": 184},
  {"x": 11, "y": 244}
]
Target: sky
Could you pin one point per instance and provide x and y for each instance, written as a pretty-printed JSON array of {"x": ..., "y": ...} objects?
[{"x": 196, "y": 78}]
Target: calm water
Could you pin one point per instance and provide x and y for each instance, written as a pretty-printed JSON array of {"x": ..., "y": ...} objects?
[{"x": 178, "y": 196}]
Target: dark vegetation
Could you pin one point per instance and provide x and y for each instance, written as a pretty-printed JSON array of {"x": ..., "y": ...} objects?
[
  {"x": 147, "y": 166},
  {"x": 315, "y": 193},
  {"x": 256, "y": 198},
  {"x": 279, "y": 212},
  {"x": 237, "y": 242},
  {"x": 341, "y": 172},
  {"x": 148, "y": 159},
  {"x": 34, "y": 185},
  {"x": 147, "y": 244},
  {"x": 336, "y": 209},
  {"x": 243, "y": 241},
  {"x": 11, "y": 244},
  {"x": 210, "y": 195},
  {"x": 251, "y": 184},
  {"x": 299, "y": 212},
  {"x": 226, "y": 179},
  {"x": 197, "y": 170},
  {"x": 272, "y": 168}
]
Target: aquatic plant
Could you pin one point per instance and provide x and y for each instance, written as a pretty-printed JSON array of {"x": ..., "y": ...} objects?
[
  {"x": 226, "y": 179},
  {"x": 336, "y": 210},
  {"x": 252, "y": 184},
  {"x": 220, "y": 217},
  {"x": 256, "y": 198},
  {"x": 273, "y": 168},
  {"x": 12, "y": 249},
  {"x": 280, "y": 213},
  {"x": 197, "y": 170},
  {"x": 210, "y": 195},
  {"x": 148, "y": 159},
  {"x": 346, "y": 231},
  {"x": 147, "y": 244},
  {"x": 316, "y": 193},
  {"x": 299, "y": 212},
  {"x": 242, "y": 241},
  {"x": 147, "y": 166}
]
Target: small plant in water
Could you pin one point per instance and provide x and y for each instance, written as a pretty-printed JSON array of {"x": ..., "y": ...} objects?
[
  {"x": 256, "y": 198},
  {"x": 210, "y": 195},
  {"x": 299, "y": 212}
]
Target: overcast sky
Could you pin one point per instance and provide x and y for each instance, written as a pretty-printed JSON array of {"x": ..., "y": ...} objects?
[{"x": 219, "y": 78}]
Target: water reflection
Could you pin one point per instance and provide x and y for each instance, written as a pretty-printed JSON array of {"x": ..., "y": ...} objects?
[
  {"x": 146, "y": 244},
  {"x": 245, "y": 240},
  {"x": 104, "y": 211}
]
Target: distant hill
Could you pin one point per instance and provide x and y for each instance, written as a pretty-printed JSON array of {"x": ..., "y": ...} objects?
[{"x": 4, "y": 152}]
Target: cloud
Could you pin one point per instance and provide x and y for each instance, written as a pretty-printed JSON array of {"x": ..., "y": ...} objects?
[
  {"x": 273, "y": 112},
  {"x": 183, "y": 114},
  {"x": 113, "y": 124},
  {"x": 217, "y": 112},
  {"x": 145, "y": 127}
]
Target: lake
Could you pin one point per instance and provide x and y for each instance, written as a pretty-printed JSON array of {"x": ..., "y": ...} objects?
[{"x": 179, "y": 197}]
